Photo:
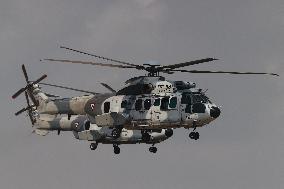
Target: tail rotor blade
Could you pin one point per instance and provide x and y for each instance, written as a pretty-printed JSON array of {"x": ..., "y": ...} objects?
[
  {"x": 19, "y": 92},
  {"x": 25, "y": 73},
  {"x": 21, "y": 111},
  {"x": 40, "y": 79}
]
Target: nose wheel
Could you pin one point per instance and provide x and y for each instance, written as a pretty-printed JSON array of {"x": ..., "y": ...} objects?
[
  {"x": 116, "y": 149},
  {"x": 194, "y": 135}
]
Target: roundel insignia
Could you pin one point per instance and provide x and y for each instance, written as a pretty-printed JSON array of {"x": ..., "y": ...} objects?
[
  {"x": 76, "y": 125},
  {"x": 92, "y": 105}
]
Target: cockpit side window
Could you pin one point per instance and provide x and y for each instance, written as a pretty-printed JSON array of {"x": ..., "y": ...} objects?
[
  {"x": 147, "y": 104},
  {"x": 173, "y": 102},
  {"x": 165, "y": 103},
  {"x": 106, "y": 107},
  {"x": 138, "y": 104}
]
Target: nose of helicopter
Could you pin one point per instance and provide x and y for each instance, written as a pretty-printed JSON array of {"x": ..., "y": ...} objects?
[{"x": 215, "y": 112}]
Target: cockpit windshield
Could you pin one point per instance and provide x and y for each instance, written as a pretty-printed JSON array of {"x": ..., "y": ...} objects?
[
  {"x": 199, "y": 98},
  {"x": 193, "y": 98}
]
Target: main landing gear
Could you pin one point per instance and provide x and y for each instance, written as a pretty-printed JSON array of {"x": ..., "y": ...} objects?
[
  {"x": 116, "y": 149},
  {"x": 93, "y": 146},
  {"x": 194, "y": 135},
  {"x": 116, "y": 132}
]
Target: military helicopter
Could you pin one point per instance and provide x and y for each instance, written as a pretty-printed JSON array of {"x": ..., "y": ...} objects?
[
  {"x": 146, "y": 103},
  {"x": 81, "y": 126}
]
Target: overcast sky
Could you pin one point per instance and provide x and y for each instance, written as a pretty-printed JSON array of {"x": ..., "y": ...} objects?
[{"x": 243, "y": 148}]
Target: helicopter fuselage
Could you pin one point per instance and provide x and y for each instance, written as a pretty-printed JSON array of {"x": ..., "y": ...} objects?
[{"x": 147, "y": 103}]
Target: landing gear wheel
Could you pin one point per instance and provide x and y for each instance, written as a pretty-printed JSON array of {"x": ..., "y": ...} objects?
[
  {"x": 116, "y": 149},
  {"x": 116, "y": 133},
  {"x": 194, "y": 135},
  {"x": 93, "y": 146},
  {"x": 153, "y": 149}
]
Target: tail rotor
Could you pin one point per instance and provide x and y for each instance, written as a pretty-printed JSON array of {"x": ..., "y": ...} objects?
[
  {"x": 28, "y": 90},
  {"x": 29, "y": 87}
]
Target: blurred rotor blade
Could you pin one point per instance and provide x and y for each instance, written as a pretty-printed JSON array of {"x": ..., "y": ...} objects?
[
  {"x": 30, "y": 92},
  {"x": 91, "y": 63},
  {"x": 250, "y": 73},
  {"x": 108, "y": 87},
  {"x": 27, "y": 98},
  {"x": 25, "y": 73},
  {"x": 40, "y": 79},
  {"x": 100, "y": 57},
  {"x": 51, "y": 95},
  {"x": 19, "y": 92},
  {"x": 69, "y": 88},
  {"x": 31, "y": 117},
  {"x": 174, "y": 66}
]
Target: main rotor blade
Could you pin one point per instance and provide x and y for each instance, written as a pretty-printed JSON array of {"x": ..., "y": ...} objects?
[
  {"x": 100, "y": 57},
  {"x": 174, "y": 66},
  {"x": 25, "y": 73},
  {"x": 69, "y": 88},
  {"x": 250, "y": 73},
  {"x": 91, "y": 63},
  {"x": 40, "y": 79},
  {"x": 108, "y": 87}
]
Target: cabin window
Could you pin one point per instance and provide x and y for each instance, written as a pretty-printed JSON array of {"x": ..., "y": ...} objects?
[
  {"x": 106, "y": 107},
  {"x": 157, "y": 102},
  {"x": 165, "y": 103},
  {"x": 185, "y": 99},
  {"x": 138, "y": 104},
  {"x": 124, "y": 104},
  {"x": 147, "y": 104},
  {"x": 173, "y": 102}
]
